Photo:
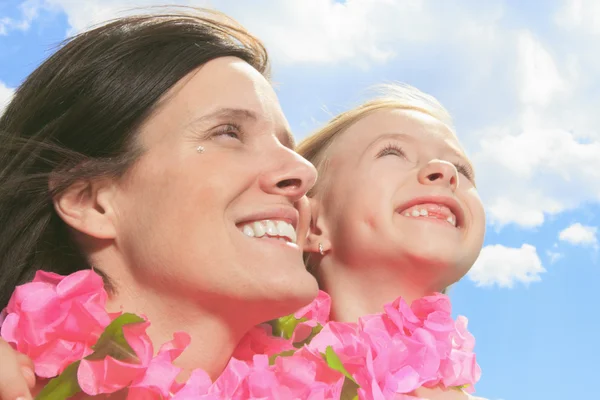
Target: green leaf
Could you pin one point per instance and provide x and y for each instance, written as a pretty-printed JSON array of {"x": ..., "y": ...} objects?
[
  {"x": 286, "y": 353},
  {"x": 461, "y": 387},
  {"x": 63, "y": 386},
  {"x": 349, "y": 390},
  {"x": 284, "y": 326},
  {"x": 315, "y": 331},
  {"x": 112, "y": 341},
  {"x": 334, "y": 362}
]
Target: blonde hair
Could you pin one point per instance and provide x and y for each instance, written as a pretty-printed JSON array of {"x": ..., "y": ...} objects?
[{"x": 395, "y": 96}]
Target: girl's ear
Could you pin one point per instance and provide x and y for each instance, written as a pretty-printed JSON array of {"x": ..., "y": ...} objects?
[{"x": 318, "y": 235}]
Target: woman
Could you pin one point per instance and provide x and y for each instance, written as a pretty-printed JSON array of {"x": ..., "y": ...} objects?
[
  {"x": 142, "y": 149},
  {"x": 395, "y": 211},
  {"x": 338, "y": 240}
]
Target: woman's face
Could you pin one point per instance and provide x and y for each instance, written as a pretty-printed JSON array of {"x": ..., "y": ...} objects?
[
  {"x": 400, "y": 191},
  {"x": 227, "y": 222}
]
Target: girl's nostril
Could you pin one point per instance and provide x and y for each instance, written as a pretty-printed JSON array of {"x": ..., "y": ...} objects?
[{"x": 286, "y": 183}]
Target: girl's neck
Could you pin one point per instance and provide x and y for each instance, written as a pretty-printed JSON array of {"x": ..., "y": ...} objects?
[{"x": 361, "y": 290}]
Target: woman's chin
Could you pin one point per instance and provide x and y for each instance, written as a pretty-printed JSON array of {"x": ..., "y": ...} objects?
[{"x": 285, "y": 299}]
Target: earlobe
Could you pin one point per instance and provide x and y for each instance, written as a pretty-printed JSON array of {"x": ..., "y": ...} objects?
[
  {"x": 318, "y": 236},
  {"x": 87, "y": 208}
]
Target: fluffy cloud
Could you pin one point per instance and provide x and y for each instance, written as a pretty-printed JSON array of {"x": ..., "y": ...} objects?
[
  {"x": 5, "y": 96},
  {"x": 321, "y": 31},
  {"x": 578, "y": 234},
  {"x": 580, "y": 15},
  {"x": 554, "y": 256},
  {"x": 525, "y": 109},
  {"x": 29, "y": 11},
  {"x": 543, "y": 160},
  {"x": 505, "y": 266}
]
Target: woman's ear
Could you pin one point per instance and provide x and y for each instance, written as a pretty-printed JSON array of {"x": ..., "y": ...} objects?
[
  {"x": 88, "y": 208},
  {"x": 318, "y": 234}
]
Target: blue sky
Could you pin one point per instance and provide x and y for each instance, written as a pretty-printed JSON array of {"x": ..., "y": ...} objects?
[{"x": 522, "y": 82}]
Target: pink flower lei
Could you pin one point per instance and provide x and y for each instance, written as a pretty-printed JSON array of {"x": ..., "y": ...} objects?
[{"x": 61, "y": 323}]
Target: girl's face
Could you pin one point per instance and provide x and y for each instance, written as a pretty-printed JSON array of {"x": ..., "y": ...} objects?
[{"x": 400, "y": 191}]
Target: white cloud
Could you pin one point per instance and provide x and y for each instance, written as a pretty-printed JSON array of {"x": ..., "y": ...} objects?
[
  {"x": 538, "y": 77},
  {"x": 578, "y": 234},
  {"x": 82, "y": 15},
  {"x": 536, "y": 144},
  {"x": 321, "y": 31},
  {"x": 29, "y": 10},
  {"x": 542, "y": 160},
  {"x": 6, "y": 94},
  {"x": 554, "y": 256},
  {"x": 579, "y": 15},
  {"x": 505, "y": 266}
]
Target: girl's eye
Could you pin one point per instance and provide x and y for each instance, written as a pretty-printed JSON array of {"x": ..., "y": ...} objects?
[
  {"x": 391, "y": 149},
  {"x": 464, "y": 170}
]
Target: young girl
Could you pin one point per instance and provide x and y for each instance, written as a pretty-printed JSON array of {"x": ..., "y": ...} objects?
[{"x": 395, "y": 211}]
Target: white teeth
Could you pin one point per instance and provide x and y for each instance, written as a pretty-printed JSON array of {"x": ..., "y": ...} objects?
[
  {"x": 271, "y": 229},
  {"x": 452, "y": 220},
  {"x": 425, "y": 213},
  {"x": 248, "y": 231},
  {"x": 275, "y": 229},
  {"x": 259, "y": 229},
  {"x": 286, "y": 230}
]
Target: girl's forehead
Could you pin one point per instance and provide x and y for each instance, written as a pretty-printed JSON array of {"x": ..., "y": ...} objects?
[{"x": 413, "y": 126}]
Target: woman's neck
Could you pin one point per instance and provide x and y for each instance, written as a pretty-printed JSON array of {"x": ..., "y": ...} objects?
[
  {"x": 213, "y": 340},
  {"x": 360, "y": 290}
]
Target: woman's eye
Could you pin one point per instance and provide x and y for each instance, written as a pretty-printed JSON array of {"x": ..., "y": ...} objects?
[{"x": 231, "y": 131}]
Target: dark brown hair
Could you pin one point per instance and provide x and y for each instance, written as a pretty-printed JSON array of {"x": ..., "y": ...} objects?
[{"x": 75, "y": 118}]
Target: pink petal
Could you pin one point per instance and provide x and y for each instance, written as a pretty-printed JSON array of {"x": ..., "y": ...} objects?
[
  {"x": 318, "y": 310},
  {"x": 196, "y": 385},
  {"x": 161, "y": 373},
  {"x": 81, "y": 285},
  {"x": 107, "y": 376},
  {"x": 140, "y": 342}
]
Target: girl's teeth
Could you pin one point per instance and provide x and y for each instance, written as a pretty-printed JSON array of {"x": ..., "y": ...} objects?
[
  {"x": 424, "y": 213},
  {"x": 275, "y": 229}
]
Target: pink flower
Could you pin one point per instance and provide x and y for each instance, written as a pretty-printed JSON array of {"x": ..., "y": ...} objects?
[
  {"x": 303, "y": 375},
  {"x": 318, "y": 310},
  {"x": 316, "y": 313},
  {"x": 462, "y": 339},
  {"x": 260, "y": 340},
  {"x": 460, "y": 369},
  {"x": 145, "y": 376},
  {"x": 55, "y": 320},
  {"x": 231, "y": 383},
  {"x": 390, "y": 355},
  {"x": 196, "y": 388}
]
